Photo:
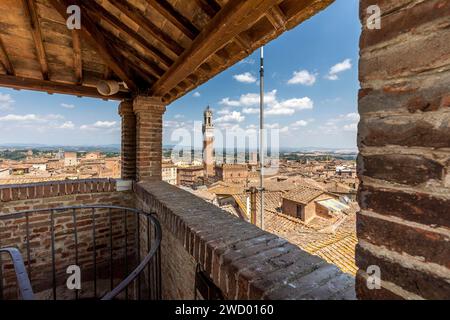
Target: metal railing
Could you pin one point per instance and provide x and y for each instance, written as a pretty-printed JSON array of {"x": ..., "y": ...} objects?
[{"x": 105, "y": 242}]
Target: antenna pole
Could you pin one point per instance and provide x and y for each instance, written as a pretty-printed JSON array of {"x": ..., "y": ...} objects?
[{"x": 261, "y": 139}]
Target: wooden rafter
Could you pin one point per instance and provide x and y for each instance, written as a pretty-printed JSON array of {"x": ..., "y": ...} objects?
[
  {"x": 176, "y": 18},
  {"x": 131, "y": 53},
  {"x": 77, "y": 58},
  {"x": 4, "y": 59},
  {"x": 138, "y": 17},
  {"x": 96, "y": 9},
  {"x": 95, "y": 37},
  {"x": 277, "y": 18},
  {"x": 236, "y": 16},
  {"x": 32, "y": 16},
  {"x": 210, "y": 7},
  {"x": 15, "y": 82}
]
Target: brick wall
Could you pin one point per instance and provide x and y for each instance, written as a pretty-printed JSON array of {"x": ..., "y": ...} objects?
[
  {"x": 241, "y": 259},
  {"x": 404, "y": 141},
  {"x": 128, "y": 146},
  {"x": 149, "y": 112},
  {"x": 60, "y": 194}
]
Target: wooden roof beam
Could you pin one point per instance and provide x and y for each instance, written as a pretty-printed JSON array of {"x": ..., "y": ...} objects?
[
  {"x": 210, "y": 7},
  {"x": 32, "y": 16},
  {"x": 95, "y": 37},
  {"x": 5, "y": 61},
  {"x": 129, "y": 52},
  {"x": 138, "y": 17},
  {"x": 15, "y": 82},
  {"x": 176, "y": 18},
  {"x": 77, "y": 58},
  {"x": 96, "y": 9},
  {"x": 235, "y": 17},
  {"x": 277, "y": 18}
]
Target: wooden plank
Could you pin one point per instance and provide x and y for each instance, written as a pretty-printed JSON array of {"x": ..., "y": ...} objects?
[
  {"x": 176, "y": 18},
  {"x": 15, "y": 82},
  {"x": 138, "y": 17},
  {"x": 4, "y": 59},
  {"x": 235, "y": 17},
  {"x": 210, "y": 7},
  {"x": 77, "y": 58},
  {"x": 31, "y": 15},
  {"x": 104, "y": 14},
  {"x": 277, "y": 18},
  {"x": 131, "y": 54},
  {"x": 92, "y": 34}
]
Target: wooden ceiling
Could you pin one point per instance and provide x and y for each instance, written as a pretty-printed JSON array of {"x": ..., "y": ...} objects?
[{"x": 163, "y": 48}]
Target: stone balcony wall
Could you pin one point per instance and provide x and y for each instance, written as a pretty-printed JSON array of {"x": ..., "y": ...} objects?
[
  {"x": 14, "y": 198},
  {"x": 240, "y": 259}
]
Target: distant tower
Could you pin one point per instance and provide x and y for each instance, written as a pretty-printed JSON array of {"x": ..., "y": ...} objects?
[{"x": 208, "y": 143}]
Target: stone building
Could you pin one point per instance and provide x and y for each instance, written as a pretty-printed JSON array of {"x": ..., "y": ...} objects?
[
  {"x": 189, "y": 176},
  {"x": 236, "y": 173},
  {"x": 169, "y": 173},
  {"x": 208, "y": 143},
  {"x": 306, "y": 203},
  {"x": 70, "y": 159}
]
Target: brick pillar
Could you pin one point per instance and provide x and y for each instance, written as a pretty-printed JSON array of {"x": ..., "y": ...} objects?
[
  {"x": 149, "y": 112},
  {"x": 404, "y": 138},
  {"x": 128, "y": 154}
]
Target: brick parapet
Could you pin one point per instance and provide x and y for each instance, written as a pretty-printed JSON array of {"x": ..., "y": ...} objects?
[
  {"x": 50, "y": 189},
  {"x": 404, "y": 143},
  {"x": 241, "y": 259}
]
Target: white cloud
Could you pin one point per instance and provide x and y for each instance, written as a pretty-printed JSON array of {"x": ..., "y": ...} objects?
[
  {"x": 353, "y": 127},
  {"x": 178, "y": 116},
  {"x": 246, "y": 77},
  {"x": 250, "y": 101},
  {"x": 247, "y": 61},
  {"x": 234, "y": 116},
  {"x": 196, "y": 94},
  {"x": 67, "y": 125},
  {"x": 99, "y": 125},
  {"x": 300, "y": 123},
  {"x": 303, "y": 77},
  {"x": 352, "y": 116},
  {"x": 30, "y": 118},
  {"x": 289, "y": 107},
  {"x": 250, "y": 110},
  {"x": 6, "y": 102},
  {"x": 338, "y": 68},
  {"x": 67, "y": 106}
]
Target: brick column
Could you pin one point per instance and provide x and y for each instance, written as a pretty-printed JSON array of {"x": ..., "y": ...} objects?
[
  {"x": 404, "y": 164},
  {"x": 149, "y": 112},
  {"x": 128, "y": 154}
]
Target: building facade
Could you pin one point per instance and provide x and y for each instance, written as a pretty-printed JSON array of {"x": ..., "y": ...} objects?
[
  {"x": 208, "y": 143},
  {"x": 169, "y": 173}
]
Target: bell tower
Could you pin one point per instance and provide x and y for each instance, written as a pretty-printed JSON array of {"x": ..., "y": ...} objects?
[{"x": 208, "y": 143}]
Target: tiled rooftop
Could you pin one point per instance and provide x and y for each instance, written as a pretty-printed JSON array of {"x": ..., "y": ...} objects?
[
  {"x": 303, "y": 194},
  {"x": 334, "y": 239}
]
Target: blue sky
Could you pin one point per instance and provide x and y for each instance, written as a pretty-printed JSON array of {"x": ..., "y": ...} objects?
[{"x": 311, "y": 85}]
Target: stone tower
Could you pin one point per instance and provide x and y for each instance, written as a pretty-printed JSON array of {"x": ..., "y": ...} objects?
[{"x": 208, "y": 143}]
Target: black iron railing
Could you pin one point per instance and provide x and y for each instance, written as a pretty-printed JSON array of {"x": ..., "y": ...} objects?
[{"x": 105, "y": 242}]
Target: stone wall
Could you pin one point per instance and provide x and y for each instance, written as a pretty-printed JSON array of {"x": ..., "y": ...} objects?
[
  {"x": 243, "y": 261},
  {"x": 404, "y": 141},
  {"x": 61, "y": 194}
]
